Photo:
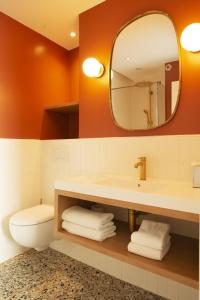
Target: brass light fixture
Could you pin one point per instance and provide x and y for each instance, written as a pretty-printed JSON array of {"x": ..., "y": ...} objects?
[{"x": 92, "y": 67}]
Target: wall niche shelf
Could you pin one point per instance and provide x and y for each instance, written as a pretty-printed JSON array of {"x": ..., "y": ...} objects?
[
  {"x": 64, "y": 119},
  {"x": 181, "y": 264},
  {"x": 64, "y": 108}
]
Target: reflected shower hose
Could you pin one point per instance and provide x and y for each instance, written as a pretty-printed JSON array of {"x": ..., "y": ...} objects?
[{"x": 148, "y": 112}]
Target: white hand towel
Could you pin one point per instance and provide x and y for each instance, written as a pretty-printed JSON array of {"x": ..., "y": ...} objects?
[
  {"x": 158, "y": 228},
  {"x": 107, "y": 225},
  {"x": 86, "y": 217},
  {"x": 149, "y": 240},
  {"x": 147, "y": 251},
  {"x": 89, "y": 233}
]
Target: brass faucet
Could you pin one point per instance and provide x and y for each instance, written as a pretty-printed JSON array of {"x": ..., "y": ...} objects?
[{"x": 142, "y": 165}]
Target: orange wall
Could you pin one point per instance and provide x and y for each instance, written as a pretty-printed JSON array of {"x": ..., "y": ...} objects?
[
  {"x": 61, "y": 126},
  {"x": 29, "y": 81},
  {"x": 74, "y": 75},
  {"x": 98, "y": 28}
]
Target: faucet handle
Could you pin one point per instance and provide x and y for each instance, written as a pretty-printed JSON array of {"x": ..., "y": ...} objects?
[{"x": 143, "y": 158}]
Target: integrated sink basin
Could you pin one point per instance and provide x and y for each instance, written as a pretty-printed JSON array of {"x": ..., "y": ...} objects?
[
  {"x": 175, "y": 195},
  {"x": 130, "y": 183}
]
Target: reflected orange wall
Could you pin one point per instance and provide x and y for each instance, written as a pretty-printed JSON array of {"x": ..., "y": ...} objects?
[
  {"x": 34, "y": 73},
  {"x": 98, "y": 28},
  {"x": 170, "y": 76}
]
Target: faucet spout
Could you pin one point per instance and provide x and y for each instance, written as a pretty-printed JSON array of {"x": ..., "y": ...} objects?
[
  {"x": 142, "y": 165},
  {"x": 138, "y": 164}
]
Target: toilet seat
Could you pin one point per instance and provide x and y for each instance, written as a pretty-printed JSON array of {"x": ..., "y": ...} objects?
[{"x": 33, "y": 216}]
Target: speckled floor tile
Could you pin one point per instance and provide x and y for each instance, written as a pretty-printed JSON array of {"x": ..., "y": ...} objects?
[{"x": 50, "y": 275}]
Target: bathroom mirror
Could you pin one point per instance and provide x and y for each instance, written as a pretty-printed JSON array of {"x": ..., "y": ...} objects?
[{"x": 145, "y": 73}]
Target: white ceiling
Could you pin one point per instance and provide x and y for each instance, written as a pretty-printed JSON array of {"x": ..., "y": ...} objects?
[
  {"x": 148, "y": 43},
  {"x": 54, "y": 19}
]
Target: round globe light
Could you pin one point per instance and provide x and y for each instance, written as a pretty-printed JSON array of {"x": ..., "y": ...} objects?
[
  {"x": 92, "y": 67},
  {"x": 190, "y": 37},
  {"x": 73, "y": 34}
]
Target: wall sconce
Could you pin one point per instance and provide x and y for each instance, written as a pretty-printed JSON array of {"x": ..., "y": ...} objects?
[
  {"x": 92, "y": 67},
  {"x": 190, "y": 37}
]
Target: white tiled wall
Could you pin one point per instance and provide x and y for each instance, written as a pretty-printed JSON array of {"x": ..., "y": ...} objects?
[
  {"x": 19, "y": 186},
  {"x": 168, "y": 157}
]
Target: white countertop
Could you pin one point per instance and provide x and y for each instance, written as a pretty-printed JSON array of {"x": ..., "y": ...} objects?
[{"x": 175, "y": 195}]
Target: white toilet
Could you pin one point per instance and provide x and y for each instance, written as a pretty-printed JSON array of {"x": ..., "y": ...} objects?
[{"x": 33, "y": 227}]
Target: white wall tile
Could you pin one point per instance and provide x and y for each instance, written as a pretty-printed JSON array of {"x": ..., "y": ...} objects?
[
  {"x": 162, "y": 286},
  {"x": 172, "y": 290},
  {"x": 142, "y": 278},
  {"x": 109, "y": 265},
  {"x": 98, "y": 261},
  {"x": 89, "y": 156},
  {"x": 56, "y": 164},
  {"x": 151, "y": 283},
  {"x": 167, "y": 157},
  {"x": 187, "y": 293},
  {"x": 74, "y": 158},
  {"x": 134, "y": 275},
  {"x": 189, "y": 151},
  {"x": 63, "y": 246}
]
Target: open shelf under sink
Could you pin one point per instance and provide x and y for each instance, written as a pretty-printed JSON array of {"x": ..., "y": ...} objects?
[{"x": 181, "y": 264}]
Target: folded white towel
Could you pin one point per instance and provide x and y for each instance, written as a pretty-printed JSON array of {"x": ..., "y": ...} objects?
[
  {"x": 160, "y": 229},
  {"x": 151, "y": 234},
  {"x": 147, "y": 251},
  {"x": 86, "y": 217},
  {"x": 149, "y": 240},
  {"x": 93, "y": 234}
]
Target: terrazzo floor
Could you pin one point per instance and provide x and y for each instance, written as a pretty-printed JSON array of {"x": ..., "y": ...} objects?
[{"x": 50, "y": 275}]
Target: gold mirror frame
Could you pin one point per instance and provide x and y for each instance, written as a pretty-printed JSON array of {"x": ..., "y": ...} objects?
[{"x": 110, "y": 69}]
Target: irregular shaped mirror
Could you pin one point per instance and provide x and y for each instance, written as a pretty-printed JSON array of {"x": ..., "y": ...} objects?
[{"x": 144, "y": 74}]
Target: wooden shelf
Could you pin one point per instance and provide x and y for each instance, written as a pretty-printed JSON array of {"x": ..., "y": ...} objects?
[
  {"x": 64, "y": 108},
  {"x": 180, "y": 264},
  {"x": 182, "y": 215}
]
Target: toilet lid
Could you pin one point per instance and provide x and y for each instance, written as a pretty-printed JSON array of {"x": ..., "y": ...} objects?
[{"x": 33, "y": 215}]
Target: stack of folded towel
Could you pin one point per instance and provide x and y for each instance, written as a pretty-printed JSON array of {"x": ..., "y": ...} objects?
[
  {"x": 152, "y": 240},
  {"x": 93, "y": 225}
]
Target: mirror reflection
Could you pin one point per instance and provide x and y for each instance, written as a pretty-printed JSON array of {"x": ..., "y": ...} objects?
[{"x": 144, "y": 77}]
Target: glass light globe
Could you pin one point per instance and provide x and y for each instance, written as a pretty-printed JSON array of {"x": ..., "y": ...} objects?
[
  {"x": 92, "y": 67},
  {"x": 190, "y": 37}
]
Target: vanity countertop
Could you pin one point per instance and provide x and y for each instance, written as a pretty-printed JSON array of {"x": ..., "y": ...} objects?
[{"x": 174, "y": 195}]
